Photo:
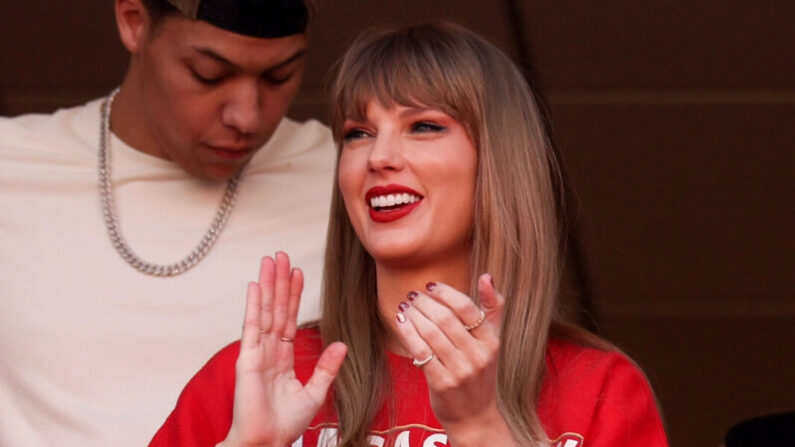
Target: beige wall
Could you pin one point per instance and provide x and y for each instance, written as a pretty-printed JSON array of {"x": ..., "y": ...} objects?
[{"x": 675, "y": 120}]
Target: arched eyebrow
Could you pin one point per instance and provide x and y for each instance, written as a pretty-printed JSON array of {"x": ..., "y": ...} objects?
[{"x": 215, "y": 56}]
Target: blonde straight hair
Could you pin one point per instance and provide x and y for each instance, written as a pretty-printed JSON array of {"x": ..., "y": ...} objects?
[{"x": 516, "y": 234}]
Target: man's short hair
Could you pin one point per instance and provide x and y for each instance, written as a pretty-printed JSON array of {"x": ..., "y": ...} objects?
[{"x": 158, "y": 9}]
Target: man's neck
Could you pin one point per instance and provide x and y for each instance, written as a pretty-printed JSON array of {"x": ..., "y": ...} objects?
[{"x": 127, "y": 123}]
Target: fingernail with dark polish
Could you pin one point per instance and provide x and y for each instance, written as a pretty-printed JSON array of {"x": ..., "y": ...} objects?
[
  {"x": 411, "y": 295},
  {"x": 430, "y": 286},
  {"x": 400, "y": 318},
  {"x": 403, "y": 306}
]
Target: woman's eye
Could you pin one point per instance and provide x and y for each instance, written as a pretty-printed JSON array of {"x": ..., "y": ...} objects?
[
  {"x": 354, "y": 134},
  {"x": 424, "y": 126}
]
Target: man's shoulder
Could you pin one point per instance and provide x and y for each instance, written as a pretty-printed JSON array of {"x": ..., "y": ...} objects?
[
  {"x": 67, "y": 127},
  {"x": 310, "y": 130},
  {"x": 295, "y": 139}
]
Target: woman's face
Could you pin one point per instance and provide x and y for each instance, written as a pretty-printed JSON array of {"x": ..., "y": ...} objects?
[{"x": 407, "y": 175}]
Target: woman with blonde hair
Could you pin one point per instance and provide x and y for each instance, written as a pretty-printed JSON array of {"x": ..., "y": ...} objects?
[{"x": 440, "y": 323}]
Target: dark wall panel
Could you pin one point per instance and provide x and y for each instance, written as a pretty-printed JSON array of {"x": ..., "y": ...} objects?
[
  {"x": 684, "y": 201},
  {"x": 710, "y": 44},
  {"x": 710, "y": 372}
]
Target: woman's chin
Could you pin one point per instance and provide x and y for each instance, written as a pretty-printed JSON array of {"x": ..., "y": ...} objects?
[{"x": 397, "y": 255}]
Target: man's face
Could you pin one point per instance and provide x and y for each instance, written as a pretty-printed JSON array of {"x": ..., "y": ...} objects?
[{"x": 209, "y": 98}]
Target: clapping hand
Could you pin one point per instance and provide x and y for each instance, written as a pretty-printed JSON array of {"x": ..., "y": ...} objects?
[
  {"x": 272, "y": 407},
  {"x": 457, "y": 343}
]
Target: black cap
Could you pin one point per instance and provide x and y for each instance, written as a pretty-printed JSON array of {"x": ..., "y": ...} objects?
[{"x": 256, "y": 18}]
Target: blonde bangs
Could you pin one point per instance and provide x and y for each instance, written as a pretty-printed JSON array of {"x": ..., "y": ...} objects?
[{"x": 410, "y": 68}]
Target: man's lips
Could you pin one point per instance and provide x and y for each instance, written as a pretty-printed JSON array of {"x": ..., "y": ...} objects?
[
  {"x": 391, "y": 202},
  {"x": 231, "y": 152}
]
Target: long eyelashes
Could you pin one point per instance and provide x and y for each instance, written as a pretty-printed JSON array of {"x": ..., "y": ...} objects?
[
  {"x": 425, "y": 126},
  {"x": 420, "y": 127},
  {"x": 354, "y": 134}
]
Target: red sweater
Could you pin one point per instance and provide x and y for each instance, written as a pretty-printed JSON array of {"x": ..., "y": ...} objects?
[{"x": 590, "y": 398}]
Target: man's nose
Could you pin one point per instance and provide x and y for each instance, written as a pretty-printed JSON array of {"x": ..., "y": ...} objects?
[{"x": 243, "y": 108}]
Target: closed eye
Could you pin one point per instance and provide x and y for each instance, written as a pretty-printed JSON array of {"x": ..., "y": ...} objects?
[
  {"x": 277, "y": 79},
  {"x": 206, "y": 80}
]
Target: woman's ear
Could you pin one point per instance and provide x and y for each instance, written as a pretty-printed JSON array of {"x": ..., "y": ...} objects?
[{"x": 133, "y": 22}]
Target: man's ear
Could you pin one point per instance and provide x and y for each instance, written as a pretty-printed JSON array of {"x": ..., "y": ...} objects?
[{"x": 134, "y": 23}]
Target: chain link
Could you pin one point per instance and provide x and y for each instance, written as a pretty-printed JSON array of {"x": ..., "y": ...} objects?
[{"x": 112, "y": 223}]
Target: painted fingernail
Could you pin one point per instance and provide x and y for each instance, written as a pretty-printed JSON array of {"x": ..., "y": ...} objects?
[
  {"x": 400, "y": 318},
  {"x": 411, "y": 295},
  {"x": 403, "y": 306},
  {"x": 430, "y": 286}
]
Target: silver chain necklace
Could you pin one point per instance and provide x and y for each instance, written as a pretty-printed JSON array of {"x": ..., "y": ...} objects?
[{"x": 112, "y": 223}]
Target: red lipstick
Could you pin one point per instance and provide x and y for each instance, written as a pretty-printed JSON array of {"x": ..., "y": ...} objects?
[{"x": 391, "y": 213}]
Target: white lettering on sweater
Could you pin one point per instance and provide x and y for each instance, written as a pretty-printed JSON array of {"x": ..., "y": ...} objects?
[
  {"x": 376, "y": 441},
  {"x": 435, "y": 440},
  {"x": 403, "y": 439},
  {"x": 568, "y": 440},
  {"x": 328, "y": 437}
]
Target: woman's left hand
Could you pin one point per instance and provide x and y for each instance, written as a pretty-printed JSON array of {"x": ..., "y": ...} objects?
[{"x": 461, "y": 341}]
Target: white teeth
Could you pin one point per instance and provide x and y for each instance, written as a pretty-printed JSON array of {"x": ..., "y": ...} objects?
[{"x": 393, "y": 199}]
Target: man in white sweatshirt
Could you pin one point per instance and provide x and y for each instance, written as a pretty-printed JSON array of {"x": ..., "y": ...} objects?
[{"x": 131, "y": 224}]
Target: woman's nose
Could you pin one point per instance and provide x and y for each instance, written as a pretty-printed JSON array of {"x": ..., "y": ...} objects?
[{"x": 386, "y": 153}]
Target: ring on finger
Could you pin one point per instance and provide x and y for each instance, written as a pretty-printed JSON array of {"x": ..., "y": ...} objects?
[
  {"x": 477, "y": 324},
  {"x": 423, "y": 362},
  {"x": 286, "y": 339}
]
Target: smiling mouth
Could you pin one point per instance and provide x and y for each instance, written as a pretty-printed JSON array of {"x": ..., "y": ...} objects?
[{"x": 391, "y": 202}]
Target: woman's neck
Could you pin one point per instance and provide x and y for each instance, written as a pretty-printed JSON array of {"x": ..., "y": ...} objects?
[{"x": 393, "y": 283}]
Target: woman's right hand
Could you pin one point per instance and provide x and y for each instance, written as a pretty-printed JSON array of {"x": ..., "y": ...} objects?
[{"x": 272, "y": 407}]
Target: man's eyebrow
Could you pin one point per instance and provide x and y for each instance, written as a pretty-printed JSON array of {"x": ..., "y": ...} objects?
[
  {"x": 213, "y": 55},
  {"x": 297, "y": 55}
]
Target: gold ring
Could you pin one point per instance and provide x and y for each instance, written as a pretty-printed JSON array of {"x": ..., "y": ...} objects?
[
  {"x": 421, "y": 363},
  {"x": 477, "y": 323},
  {"x": 286, "y": 339}
]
